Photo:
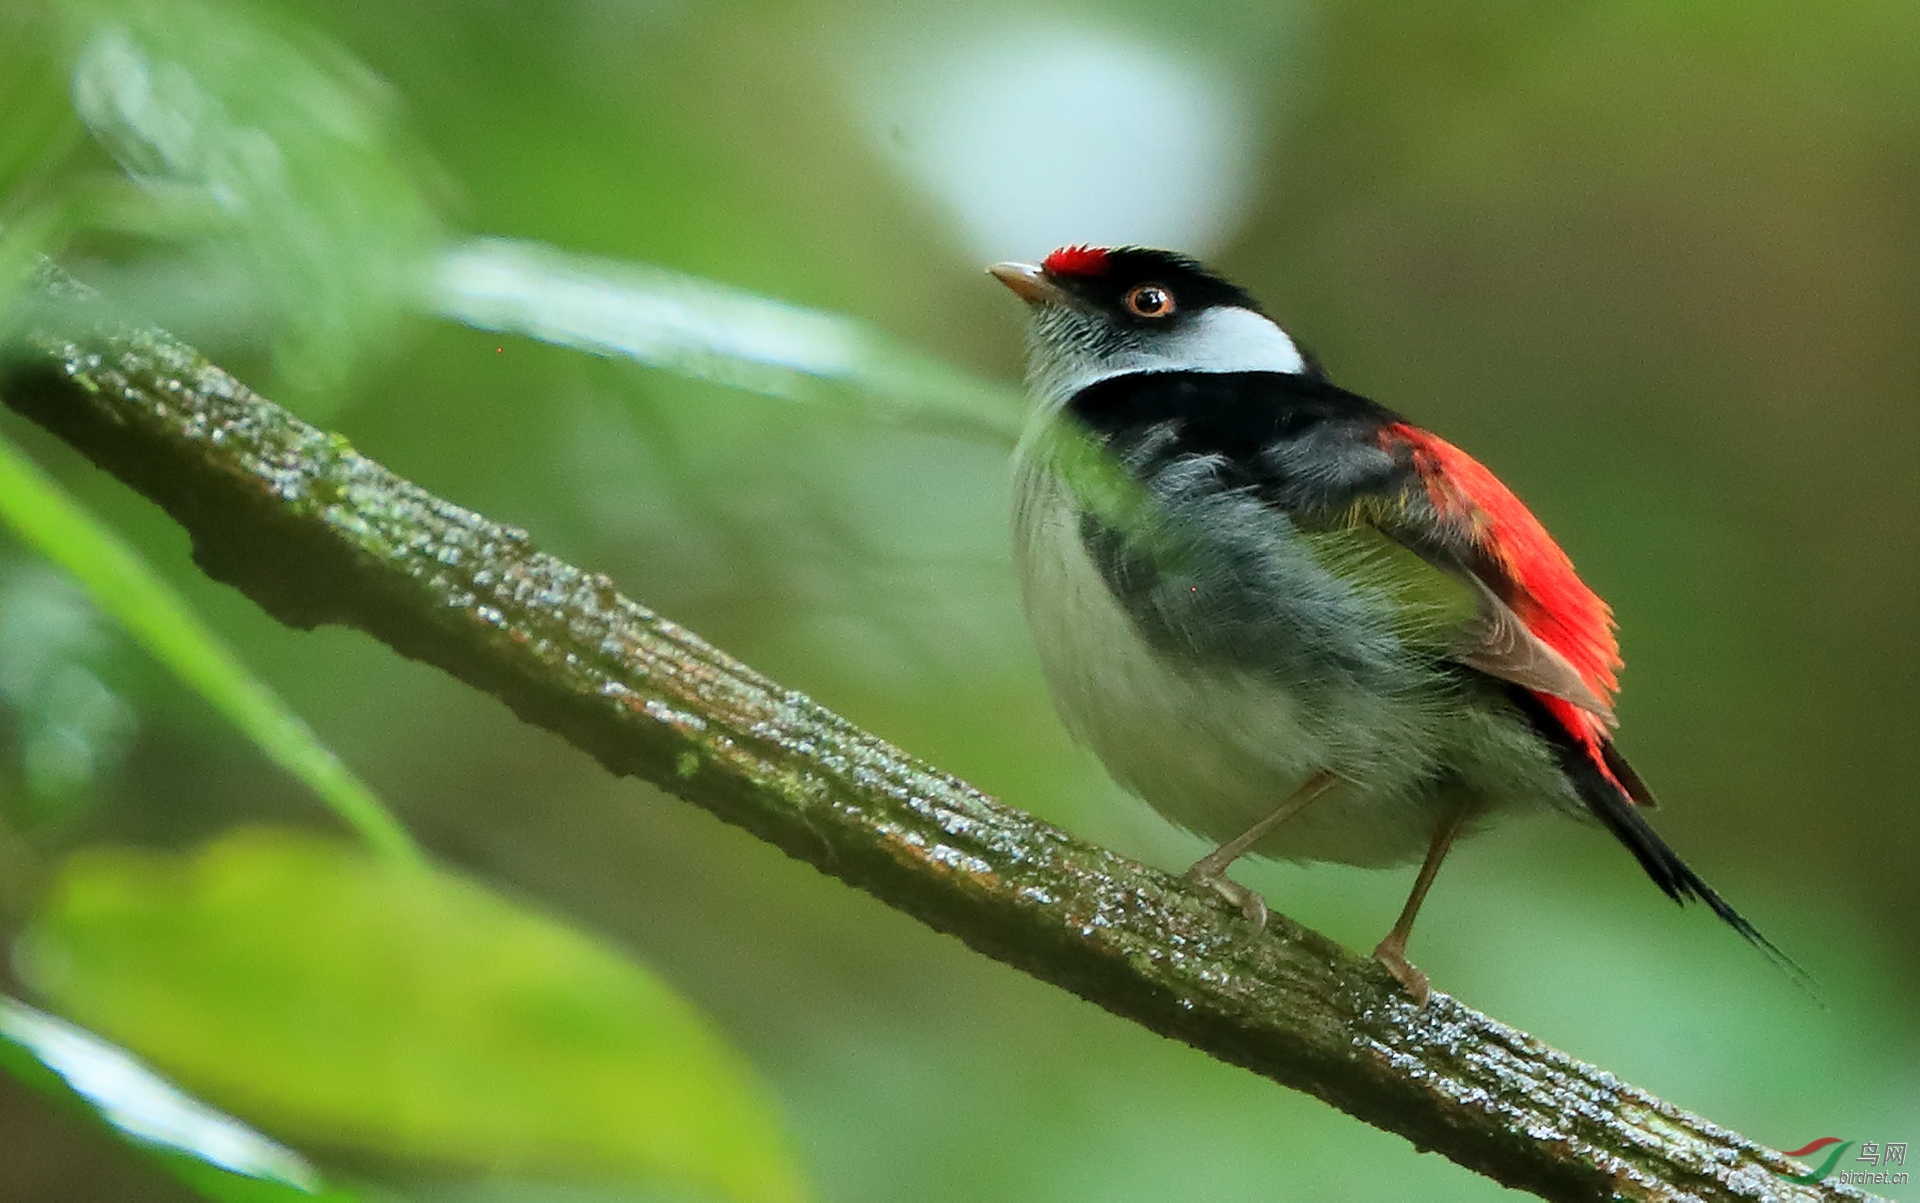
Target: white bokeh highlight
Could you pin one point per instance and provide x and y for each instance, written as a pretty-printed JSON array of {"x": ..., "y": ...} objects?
[
  {"x": 145, "y": 1106},
  {"x": 1037, "y": 135}
]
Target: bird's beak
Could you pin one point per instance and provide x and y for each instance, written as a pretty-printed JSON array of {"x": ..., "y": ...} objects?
[{"x": 1030, "y": 283}]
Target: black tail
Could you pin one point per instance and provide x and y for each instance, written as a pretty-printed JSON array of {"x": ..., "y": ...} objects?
[{"x": 1617, "y": 811}]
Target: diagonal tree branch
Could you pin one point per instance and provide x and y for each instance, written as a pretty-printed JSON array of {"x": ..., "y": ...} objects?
[{"x": 316, "y": 533}]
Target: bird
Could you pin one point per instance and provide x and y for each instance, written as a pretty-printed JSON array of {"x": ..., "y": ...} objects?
[{"x": 1289, "y": 619}]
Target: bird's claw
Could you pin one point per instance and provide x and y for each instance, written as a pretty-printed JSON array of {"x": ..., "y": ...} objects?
[
  {"x": 1412, "y": 980},
  {"x": 1248, "y": 902}
]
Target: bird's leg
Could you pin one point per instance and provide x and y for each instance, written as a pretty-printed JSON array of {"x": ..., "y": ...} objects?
[
  {"x": 1392, "y": 951},
  {"x": 1211, "y": 869}
]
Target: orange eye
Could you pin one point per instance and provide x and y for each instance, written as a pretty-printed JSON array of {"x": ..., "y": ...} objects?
[{"x": 1149, "y": 300}]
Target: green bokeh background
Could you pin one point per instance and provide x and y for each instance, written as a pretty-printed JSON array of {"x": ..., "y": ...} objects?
[{"x": 1658, "y": 265}]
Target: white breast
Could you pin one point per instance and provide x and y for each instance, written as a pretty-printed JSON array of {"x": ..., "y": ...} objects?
[{"x": 1213, "y": 751}]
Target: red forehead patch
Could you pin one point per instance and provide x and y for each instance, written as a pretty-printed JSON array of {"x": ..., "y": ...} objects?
[{"x": 1076, "y": 261}]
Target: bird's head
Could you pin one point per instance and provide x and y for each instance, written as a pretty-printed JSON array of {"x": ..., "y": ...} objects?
[{"x": 1099, "y": 313}]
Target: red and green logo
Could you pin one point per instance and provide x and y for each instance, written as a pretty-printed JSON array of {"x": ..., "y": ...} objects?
[
  {"x": 1826, "y": 1167},
  {"x": 1872, "y": 1152}
]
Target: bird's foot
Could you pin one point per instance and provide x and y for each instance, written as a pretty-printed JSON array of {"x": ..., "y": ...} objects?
[
  {"x": 1393, "y": 954},
  {"x": 1248, "y": 902}
]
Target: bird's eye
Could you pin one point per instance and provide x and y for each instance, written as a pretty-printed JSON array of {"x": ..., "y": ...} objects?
[{"x": 1149, "y": 300}]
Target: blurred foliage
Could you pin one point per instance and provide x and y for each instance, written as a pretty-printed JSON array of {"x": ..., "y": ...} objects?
[
  {"x": 263, "y": 190},
  {"x": 70, "y": 719},
  {"x": 399, "y": 1012},
  {"x": 71, "y": 726},
  {"x": 706, "y": 331},
  {"x": 1658, "y": 265}
]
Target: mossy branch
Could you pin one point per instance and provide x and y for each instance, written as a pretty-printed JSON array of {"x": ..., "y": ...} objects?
[{"x": 315, "y": 533}]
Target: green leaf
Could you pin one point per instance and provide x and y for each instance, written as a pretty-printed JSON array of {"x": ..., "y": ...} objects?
[
  {"x": 123, "y": 586},
  {"x": 403, "y": 1012},
  {"x": 217, "y": 1155},
  {"x": 711, "y": 331}
]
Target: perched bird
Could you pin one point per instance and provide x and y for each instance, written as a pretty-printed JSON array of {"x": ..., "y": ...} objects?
[{"x": 1327, "y": 634}]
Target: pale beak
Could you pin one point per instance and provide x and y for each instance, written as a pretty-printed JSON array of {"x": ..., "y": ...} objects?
[{"x": 1030, "y": 283}]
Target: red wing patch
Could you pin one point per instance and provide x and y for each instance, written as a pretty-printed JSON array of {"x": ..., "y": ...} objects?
[
  {"x": 1076, "y": 261},
  {"x": 1522, "y": 564}
]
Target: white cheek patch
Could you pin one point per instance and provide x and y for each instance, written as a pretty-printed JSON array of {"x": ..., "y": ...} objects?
[
  {"x": 1221, "y": 340},
  {"x": 1232, "y": 340}
]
